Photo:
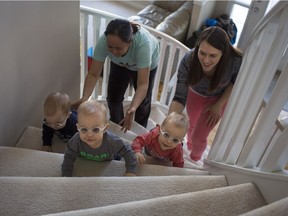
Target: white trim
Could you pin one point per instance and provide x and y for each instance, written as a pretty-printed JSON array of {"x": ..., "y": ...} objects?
[{"x": 273, "y": 186}]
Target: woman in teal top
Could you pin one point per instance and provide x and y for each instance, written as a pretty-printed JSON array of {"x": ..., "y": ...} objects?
[{"x": 134, "y": 55}]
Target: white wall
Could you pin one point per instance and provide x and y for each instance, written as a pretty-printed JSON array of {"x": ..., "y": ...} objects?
[
  {"x": 139, "y": 5},
  {"x": 39, "y": 53},
  {"x": 202, "y": 10}
]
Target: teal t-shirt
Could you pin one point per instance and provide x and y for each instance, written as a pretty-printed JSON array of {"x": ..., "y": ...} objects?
[{"x": 142, "y": 53}]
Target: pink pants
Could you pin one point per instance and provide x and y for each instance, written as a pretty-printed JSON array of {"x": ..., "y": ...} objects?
[{"x": 198, "y": 130}]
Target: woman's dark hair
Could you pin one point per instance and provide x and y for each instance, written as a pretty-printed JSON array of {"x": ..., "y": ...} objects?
[
  {"x": 122, "y": 28},
  {"x": 219, "y": 39}
]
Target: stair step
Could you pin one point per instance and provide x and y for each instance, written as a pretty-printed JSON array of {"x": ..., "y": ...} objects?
[
  {"x": 151, "y": 124},
  {"x": 279, "y": 208},
  {"x": 34, "y": 163},
  {"x": 157, "y": 115},
  {"x": 160, "y": 170},
  {"x": 138, "y": 129},
  {"x": 31, "y": 138},
  {"x": 225, "y": 201},
  {"x": 116, "y": 129},
  {"x": 46, "y": 195}
]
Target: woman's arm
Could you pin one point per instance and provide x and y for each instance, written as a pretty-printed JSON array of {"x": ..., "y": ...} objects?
[
  {"x": 179, "y": 100},
  {"x": 91, "y": 78},
  {"x": 142, "y": 87},
  {"x": 140, "y": 93},
  {"x": 90, "y": 82}
]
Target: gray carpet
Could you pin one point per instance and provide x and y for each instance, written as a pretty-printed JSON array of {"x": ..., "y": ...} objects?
[
  {"x": 228, "y": 201},
  {"x": 44, "y": 195},
  {"x": 34, "y": 163},
  {"x": 277, "y": 208},
  {"x": 31, "y": 185}
]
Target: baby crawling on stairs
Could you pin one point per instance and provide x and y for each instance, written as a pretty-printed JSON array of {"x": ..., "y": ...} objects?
[{"x": 164, "y": 142}]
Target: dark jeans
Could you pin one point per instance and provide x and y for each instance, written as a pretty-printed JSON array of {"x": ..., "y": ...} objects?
[{"x": 119, "y": 78}]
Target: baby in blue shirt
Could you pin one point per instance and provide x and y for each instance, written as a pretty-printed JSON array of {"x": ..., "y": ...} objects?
[{"x": 59, "y": 119}]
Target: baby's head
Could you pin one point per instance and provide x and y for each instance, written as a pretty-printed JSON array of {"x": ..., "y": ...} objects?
[
  {"x": 92, "y": 122},
  {"x": 57, "y": 109},
  {"x": 172, "y": 131}
]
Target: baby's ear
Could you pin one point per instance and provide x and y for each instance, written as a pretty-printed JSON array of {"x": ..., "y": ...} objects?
[{"x": 107, "y": 126}]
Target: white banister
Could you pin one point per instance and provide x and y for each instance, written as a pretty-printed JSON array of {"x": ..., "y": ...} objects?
[
  {"x": 257, "y": 143},
  {"x": 259, "y": 65},
  {"x": 276, "y": 156}
]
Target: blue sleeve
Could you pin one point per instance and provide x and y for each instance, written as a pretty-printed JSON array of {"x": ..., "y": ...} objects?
[
  {"x": 72, "y": 124},
  {"x": 47, "y": 135}
]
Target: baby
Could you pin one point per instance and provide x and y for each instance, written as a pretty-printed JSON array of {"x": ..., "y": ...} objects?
[
  {"x": 94, "y": 141},
  {"x": 163, "y": 142},
  {"x": 58, "y": 119}
]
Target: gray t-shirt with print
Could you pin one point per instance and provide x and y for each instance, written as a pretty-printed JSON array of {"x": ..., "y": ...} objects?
[{"x": 111, "y": 147}]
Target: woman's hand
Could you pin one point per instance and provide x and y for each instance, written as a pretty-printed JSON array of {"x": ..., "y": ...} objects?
[
  {"x": 214, "y": 112},
  {"x": 140, "y": 158},
  {"x": 127, "y": 122},
  {"x": 140, "y": 93},
  {"x": 129, "y": 174},
  {"x": 47, "y": 148},
  {"x": 76, "y": 104}
]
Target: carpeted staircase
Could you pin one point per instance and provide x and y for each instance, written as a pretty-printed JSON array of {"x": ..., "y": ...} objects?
[{"x": 31, "y": 184}]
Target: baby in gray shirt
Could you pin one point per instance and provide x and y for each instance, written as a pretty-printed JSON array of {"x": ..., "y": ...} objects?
[{"x": 95, "y": 142}]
